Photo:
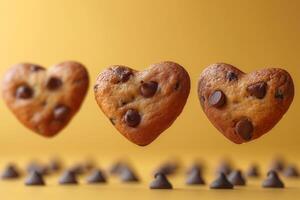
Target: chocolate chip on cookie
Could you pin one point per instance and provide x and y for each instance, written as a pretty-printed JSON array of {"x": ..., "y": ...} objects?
[
  {"x": 36, "y": 68},
  {"x": 54, "y": 83},
  {"x": 244, "y": 128},
  {"x": 43, "y": 107},
  {"x": 95, "y": 87},
  {"x": 279, "y": 94},
  {"x": 217, "y": 99},
  {"x": 247, "y": 114},
  {"x": 231, "y": 76},
  {"x": 142, "y": 104},
  {"x": 148, "y": 89},
  {"x": 123, "y": 73},
  {"x": 258, "y": 90},
  {"x": 61, "y": 113},
  {"x": 24, "y": 92},
  {"x": 177, "y": 85},
  {"x": 132, "y": 118}
]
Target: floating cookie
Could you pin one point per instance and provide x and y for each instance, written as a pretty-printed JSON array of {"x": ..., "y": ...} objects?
[
  {"x": 45, "y": 100},
  {"x": 142, "y": 104},
  {"x": 243, "y": 106}
]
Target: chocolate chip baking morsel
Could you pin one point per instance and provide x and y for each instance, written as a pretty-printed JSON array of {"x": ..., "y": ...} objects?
[
  {"x": 45, "y": 100},
  {"x": 243, "y": 106},
  {"x": 142, "y": 104}
]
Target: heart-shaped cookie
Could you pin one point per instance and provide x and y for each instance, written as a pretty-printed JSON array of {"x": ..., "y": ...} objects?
[
  {"x": 243, "y": 106},
  {"x": 142, "y": 104},
  {"x": 45, "y": 100}
]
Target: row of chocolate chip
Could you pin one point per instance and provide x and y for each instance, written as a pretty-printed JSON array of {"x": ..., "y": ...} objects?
[
  {"x": 127, "y": 174},
  {"x": 160, "y": 179},
  {"x": 167, "y": 168}
]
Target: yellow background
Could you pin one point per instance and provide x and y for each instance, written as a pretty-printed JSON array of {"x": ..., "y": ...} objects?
[
  {"x": 250, "y": 34},
  {"x": 136, "y": 33}
]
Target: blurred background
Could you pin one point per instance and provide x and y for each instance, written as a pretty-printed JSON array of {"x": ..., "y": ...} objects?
[{"x": 195, "y": 33}]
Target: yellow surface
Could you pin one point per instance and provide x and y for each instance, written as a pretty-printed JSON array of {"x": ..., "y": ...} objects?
[{"x": 195, "y": 33}]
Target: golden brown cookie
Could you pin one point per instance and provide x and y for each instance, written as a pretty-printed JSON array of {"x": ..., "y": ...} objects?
[
  {"x": 45, "y": 100},
  {"x": 243, "y": 106},
  {"x": 142, "y": 104}
]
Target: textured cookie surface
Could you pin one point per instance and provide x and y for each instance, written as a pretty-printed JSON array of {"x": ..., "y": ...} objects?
[
  {"x": 243, "y": 106},
  {"x": 142, "y": 104},
  {"x": 45, "y": 100}
]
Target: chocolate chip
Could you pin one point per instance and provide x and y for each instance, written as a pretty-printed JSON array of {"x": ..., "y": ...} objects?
[
  {"x": 258, "y": 90},
  {"x": 253, "y": 171},
  {"x": 231, "y": 76},
  {"x": 116, "y": 168},
  {"x": 10, "y": 172},
  {"x": 244, "y": 128},
  {"x": 96, "y": 87},
  {"x": 224, "y": 168},
  {"x": 35, "y": 68},
  {"x": 34, "y": 178},
  {"x": 195, "y": 178},
  {"x": 112, "y": 120},
  {"x": 128, "y": 175},
  {"x": 278, "y": 164},
  {"x": 39, "y": 168},
  {"x": 167, "y": 168},
  {"x": 176, "y": 87},
  {"x": 217, "y": 99},
  {"x": 24, "y": 92},
  {"x": 89, "y": 164},
  {"x": 195, "y": 167},
  {"x": 61, "y": 113},
  {"x": 148, "y": 89},
  {"x": 122, "y": 103},
  {"x": 68, "y": 177},
  {"x": 272, "y": 181},
  {"x": 55, "y": 165},
  {"x": 279, "y": 94},
  {"x": 123, "y": 73},
  {"x": 160, "y": 182},
  {"x": 132, "y": 118},
  {"x": 77, "y": 168},
  {"x": 291, "y": 171},
  {"x": 221, "y": 183},
  {"x": 236, "y": 178},
  {"x": 96, "y": 176},
  {"x": 202, "y": 99},
  {"x": 54, "y": 83}
]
